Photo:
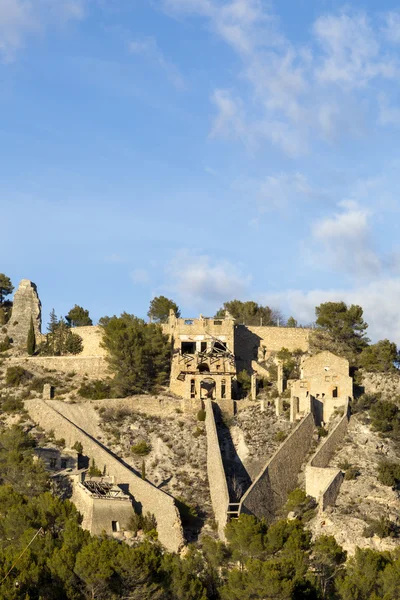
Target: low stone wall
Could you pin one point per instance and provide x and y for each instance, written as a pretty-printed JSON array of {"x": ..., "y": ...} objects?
[
  {"x": 216, "y": 473},
  {"x": 91, "y": 340},
  {"x": 150, "y": 405},
  {"x": 325, "y": 452},
  {"x": 323, "y": 483},
  {"x": 279, "y": 476},
  {"x": 249, "y": 339},
  {"x": 145, "y": 495},
  {"x": 95, "y": 367}
]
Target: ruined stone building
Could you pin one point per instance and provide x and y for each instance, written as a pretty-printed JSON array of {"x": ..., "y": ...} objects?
[
  {"x": 324, "y": 380},
  {"x": 104, "y": 505}
]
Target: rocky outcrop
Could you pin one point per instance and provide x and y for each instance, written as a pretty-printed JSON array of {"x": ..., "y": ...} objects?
[{"x": 26, "y": 305}]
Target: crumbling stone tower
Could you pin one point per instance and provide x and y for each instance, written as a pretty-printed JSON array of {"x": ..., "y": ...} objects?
[{"x": 26, "y": 305}]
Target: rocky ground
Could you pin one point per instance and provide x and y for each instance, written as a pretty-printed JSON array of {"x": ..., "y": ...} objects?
[{"x": 361, "y": 499}]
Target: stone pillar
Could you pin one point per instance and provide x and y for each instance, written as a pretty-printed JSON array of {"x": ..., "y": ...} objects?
[
  {"x": 47, "y": 392},
  {"x": 253, "y": 386},
  {"x": 262, "y": 405},
  {"x": 294, "y": 408},
  {"x": 280, "y": 378},
  {"x": 278, "y": 406},
  {"x": 217, "y": 389},
  {"x": 26, "y": 308}
]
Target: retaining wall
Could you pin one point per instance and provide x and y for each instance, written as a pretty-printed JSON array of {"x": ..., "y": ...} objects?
[
  {"x": 216, "y": 473},
  {"x": 145, "y": 495},
  {"x": 279, "y": 476},
  {"x": 151, "y": 405},
  {"x": 323, "y": 483},
  {"x": 95, "y": 367}
]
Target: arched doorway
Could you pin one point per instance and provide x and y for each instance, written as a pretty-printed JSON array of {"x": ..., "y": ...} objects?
[
  {"x": 207, "y": 388},
  {"x": 203, "y": 368}
]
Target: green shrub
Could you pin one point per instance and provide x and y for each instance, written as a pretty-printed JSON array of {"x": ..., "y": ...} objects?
[
  {"x": 198, "y": 432},
  {"x": 351, "y": 473},
  {"x": 201, "y": 415},
  {"x": 78, "y": 447},
  {"x": 16, "y": 376},
  {"x": 382, "y": 527},
  {"x": 11, "y": 405},
  {"x": 141, "y": 448},
  {"x": 95, "y": 390},
  {"x": 93, "y": 470},
  {"x": 389, "y": 473},
  {"x": 322, "y": 432},
  {"x": 5, "y": 344},
  {"x": 280, "y": 436},
  {"x": 146, "y": 523},
  {"x": 385, "y": 417},
  {"x": 244, "y": 381},
  {"x": 302, "y": 505}
]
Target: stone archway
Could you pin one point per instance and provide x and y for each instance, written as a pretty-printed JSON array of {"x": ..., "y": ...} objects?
[{"x": 207, "y": 388}]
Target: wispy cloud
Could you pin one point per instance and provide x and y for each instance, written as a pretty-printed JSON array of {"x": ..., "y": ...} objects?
[
  {"x": 347, "y": 240},
  {"x": 149, "y": 48},
  {"x": 20, "y": 19},
  {"x": 199, "y": 280},
  {"x": 140, "y": 276},
  {"x": 293, "y": 92}
]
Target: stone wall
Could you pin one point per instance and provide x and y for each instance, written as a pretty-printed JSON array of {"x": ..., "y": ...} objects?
[
  {"x": 146, "y": 496},
  {"x": 279, "y": 476},
  {"x": 248, "y": 341},
  {"x": 327, "y": 449},
  {"x": 150, "y": 405},
  {"x": 323, "y": 483},
  {"x": 91, "y": 340},
  {"x": 216, "y": 473},
  {"x": 95, "y": 367}
]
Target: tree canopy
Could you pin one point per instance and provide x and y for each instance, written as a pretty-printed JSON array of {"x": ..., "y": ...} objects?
[
  {"x": 60, "y": 340},
  {"x": 78, "y": 317},
  {"x": 250, "y": 313},
  {"x": 6, "y": 287},
  {"x": 340, "y": 329},
  {"x": 139, "y": 353},
  {"x": 380, "y": 357},
  {"x": 160, "y": 307}
]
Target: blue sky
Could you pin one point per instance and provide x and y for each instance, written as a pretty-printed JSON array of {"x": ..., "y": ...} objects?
[{"x": 202, "y": 149}]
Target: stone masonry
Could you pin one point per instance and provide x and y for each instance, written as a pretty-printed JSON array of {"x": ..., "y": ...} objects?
[{"x": 26, "y": 305}]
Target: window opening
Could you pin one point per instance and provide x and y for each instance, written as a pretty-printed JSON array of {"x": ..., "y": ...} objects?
[
  {"x": 223, "y": 389},
  {"x": 188, "y": 347},
  {"x": 204, "y": 368},
  {"x": 335, "y": 392},
  {"x": 203, "y": 347},
  {"x": 192, "y": 388},
  {"x": 217, "y": 322},
  {"x": 115, "y": 526},
  {"x": 188, "y": 321},
  {"x": 63, "y": 463}
]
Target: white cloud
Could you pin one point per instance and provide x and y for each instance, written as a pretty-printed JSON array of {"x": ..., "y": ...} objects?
[
  {"x": 346, "y": 238},
  {"x": 290, "y": 93},
  {"x": 352, "y": 52},
  {"x": 149, "y": 48},
  {"x": 200, "y": 280},
  {"x": 20, "y": 19},
  {"x": 391, "y": 29},
  {"x": 380, "y": 300}
]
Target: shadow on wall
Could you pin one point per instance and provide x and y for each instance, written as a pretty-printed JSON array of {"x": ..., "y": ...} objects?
[
  {"x": 247, "y": 344},
  {"x": 237, "y": 477}
]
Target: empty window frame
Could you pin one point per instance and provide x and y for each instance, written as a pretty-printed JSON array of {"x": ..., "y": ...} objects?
[
  {"x": 218, "y": 322},
  {"x": 223, "y": 389},
  {"x": 203, "y": 347},
  {"x": 192, "y": 388},
  {"x": 188, "y": 347},
  {"x": 220, "y": 345},
  {"x": 64, "y": 463},
  {"x": 115, "y": 526},
  {"x": 188, "y": 321}
]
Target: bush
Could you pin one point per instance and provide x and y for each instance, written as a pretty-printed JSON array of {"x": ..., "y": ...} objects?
[
  {"x": 280, "y": 436},
  {"x": 385, "y": 417},
  {"x": 78, "y": 447},
  {"x": 244, "y": 381},
  {"x": 5, "y": 344},
  {"x": 302, "y": 505},
  {"x": 382, "y": 527},
  {"x": 95, "y": 390},
  {"x": 351, "y": 473},
  {"x": 389, "y": 473},
  {"x": 141, "y": 448},
  {"x": 147, "y": 523},
  {"x": 93, "y": 470},
  {"x": 201, "y": 415},
  {"x": 198, "y": 432},
  {"x": 11, "y": 405},
  {"x": 322, "y": 432},
  {"x": 16, "y": 376}
]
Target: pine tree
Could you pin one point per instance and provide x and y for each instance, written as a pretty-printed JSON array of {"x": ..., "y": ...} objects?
[
  {"x": 31, "y": 341},
  {"x": 143, "y": 470}
]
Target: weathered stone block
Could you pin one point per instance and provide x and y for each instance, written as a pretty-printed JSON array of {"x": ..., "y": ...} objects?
[{"x": 26, "y": 305}]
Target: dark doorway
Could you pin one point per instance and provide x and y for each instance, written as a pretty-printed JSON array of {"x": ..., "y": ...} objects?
[{"x": 204, "y": 368}]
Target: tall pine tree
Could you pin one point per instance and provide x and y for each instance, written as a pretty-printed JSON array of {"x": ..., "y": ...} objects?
[{"x": 31, "y": 341}]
